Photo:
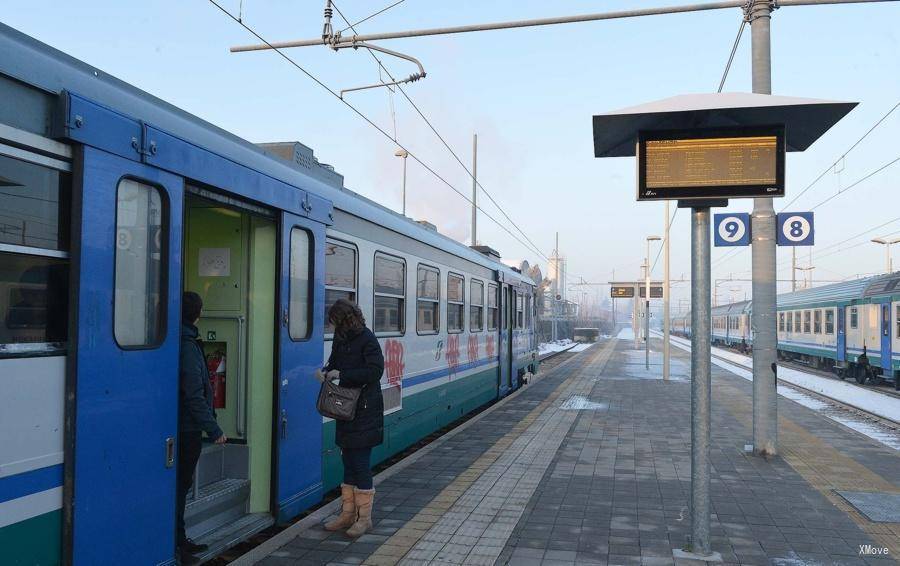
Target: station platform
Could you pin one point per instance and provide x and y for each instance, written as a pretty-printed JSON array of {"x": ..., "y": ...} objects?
[{"x": 590, "y": 464}]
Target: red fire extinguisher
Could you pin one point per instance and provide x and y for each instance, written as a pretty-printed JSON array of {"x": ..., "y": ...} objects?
[{"x": 215, "y": 363}]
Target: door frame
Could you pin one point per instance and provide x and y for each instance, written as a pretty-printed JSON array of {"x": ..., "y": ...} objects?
[{"x": 841, "y": 334}]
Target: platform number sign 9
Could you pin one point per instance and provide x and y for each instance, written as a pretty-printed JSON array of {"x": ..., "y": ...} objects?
[
  {"x": 795, "y": 229},
  {"x": 732, "y": 229}
]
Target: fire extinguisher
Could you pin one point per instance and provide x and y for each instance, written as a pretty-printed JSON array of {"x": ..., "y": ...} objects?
[{"x": 215, "y": 363}]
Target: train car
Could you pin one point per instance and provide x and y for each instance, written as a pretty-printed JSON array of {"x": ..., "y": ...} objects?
[{"x": 112, "y": 203}]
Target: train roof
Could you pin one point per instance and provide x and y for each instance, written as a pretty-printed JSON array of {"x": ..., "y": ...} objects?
[
  {"x": 844, "y": 291},
  {"x": 52, "y": 71}
]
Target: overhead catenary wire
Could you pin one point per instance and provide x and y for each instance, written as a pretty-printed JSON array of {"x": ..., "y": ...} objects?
[
  {"x": 446, "y": 145},
  {"x": 842, "y": 156},
  {"x": 369, "y": 17},
  {"x": 365, "y": 118},
  {"x": 737, "y": 42},
  {"x": 858, "y": 181}
]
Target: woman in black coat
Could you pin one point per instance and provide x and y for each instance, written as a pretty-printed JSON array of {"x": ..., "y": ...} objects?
[{"x": 356, "y": 361}]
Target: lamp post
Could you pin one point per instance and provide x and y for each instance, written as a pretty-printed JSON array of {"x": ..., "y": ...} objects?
[
  {"x": 647, "y": 302},
  {"x": 887, "y": 251},
  {"x": 404, "y": 154}
]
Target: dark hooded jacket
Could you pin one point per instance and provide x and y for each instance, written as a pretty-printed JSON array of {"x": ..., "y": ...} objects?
[
  {"x": 359, "y": 359},
  {"x": 195, "y": 407}
]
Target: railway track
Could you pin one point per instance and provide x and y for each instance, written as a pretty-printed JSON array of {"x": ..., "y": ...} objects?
[{"x": 858, "y": 412}]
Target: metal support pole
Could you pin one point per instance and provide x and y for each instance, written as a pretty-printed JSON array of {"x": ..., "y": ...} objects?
[
  {"x": 700, "y": 380},
  {"x": 666, "y": 328},
  {"x": 647, "y": 309},
  {"x": 474, "y": 189},
  {"x": 887, "y": 250},
  {"x": 765, "y": 415},
  {"x": 635, "y": 316},
  {"x": 793, "y": 268}
]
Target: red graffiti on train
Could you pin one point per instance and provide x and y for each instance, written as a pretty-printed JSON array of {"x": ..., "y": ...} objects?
[
  {"x": 453, "y": 353},
  {"x": 393, "y": 361},
  {"x": 489, "y": 346},
  {"x": 473, "y": 348}
]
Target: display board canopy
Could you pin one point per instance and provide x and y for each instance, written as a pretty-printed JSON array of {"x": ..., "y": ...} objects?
[{"x": 804, "y": 119}]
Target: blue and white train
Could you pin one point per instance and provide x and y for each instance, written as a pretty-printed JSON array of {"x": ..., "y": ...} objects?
[
  {"x": 851, "y": 328},
  {"x": 112, "y": 203}
]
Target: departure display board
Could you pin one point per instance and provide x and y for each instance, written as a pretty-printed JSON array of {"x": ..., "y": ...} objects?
[
  {"x": 711, "y": 164},
  {"x": 655, "y": 292},
  {"x": 624, "y": 292}
]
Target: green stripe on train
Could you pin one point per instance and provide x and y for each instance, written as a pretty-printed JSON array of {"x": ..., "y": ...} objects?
[
  {"x": 33, "y": 542},
  {"x": 422, "y": 414}
]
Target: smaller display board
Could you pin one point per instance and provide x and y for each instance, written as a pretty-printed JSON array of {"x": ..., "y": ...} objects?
[
  {"x": 655, "y": 292},
  {"x": 621, "y": 292}
]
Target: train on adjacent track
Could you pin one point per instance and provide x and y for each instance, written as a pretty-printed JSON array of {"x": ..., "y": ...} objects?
[
  {"x": 851, "y": 328},
  {"x": 112, "y": 203}
]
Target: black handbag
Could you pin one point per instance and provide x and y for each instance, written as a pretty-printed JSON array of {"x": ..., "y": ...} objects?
[{"x": 336, "y": 402}]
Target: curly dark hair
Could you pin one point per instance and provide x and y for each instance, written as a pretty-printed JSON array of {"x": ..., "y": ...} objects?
[{"x": 346, "y": 317}]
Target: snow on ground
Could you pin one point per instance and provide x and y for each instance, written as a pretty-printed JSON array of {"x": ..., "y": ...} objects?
[
  {"x": 581, "y": 347},
  {"x": 626, "y": 334},
  {"x": 881, "y": 434},
  {"x": 885, "y": 406},
  {"x": 556, "y": 346}
]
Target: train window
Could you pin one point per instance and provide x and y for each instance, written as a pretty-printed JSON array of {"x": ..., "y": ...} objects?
[
  {"x": 829, "y": 321},
  {"x": 854, "y": 318},
  {"x": 428, "y": 300},
  {"x": 528, "y": 311},
  {"x": 34, "y": 205},
  {"x": 390, "y": 293},
  {"x": 340, "y": 276},
  {"x": 817, "y": 321},
  {"x": 34, "y": 310},
  {"x": 138, "y": 297},
  {"x": 781, "y": 321},
  {"x": 455, "y": 303},
  {"x": 520, "y": 310},
  {"x": 790, "y": 321},
  {"x": 492, "y": 310},
  {"x": 300, "y": 297},
  {"x": 898, "y": 320},
  {"x": 797, "y": 322},
  {"x": 806, "y": 319},
  {"x": 476, "y": 310}
]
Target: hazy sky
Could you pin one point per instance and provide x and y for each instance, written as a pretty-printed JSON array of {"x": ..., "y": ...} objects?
[{"x": 530, "y": 95}]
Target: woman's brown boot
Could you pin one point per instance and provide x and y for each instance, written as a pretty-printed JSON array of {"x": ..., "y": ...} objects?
[
  {"x": 348, "y": 510},
  {"x": 364, "y": 499}
]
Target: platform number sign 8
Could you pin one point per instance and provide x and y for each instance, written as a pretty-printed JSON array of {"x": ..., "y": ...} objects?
[
  {"x": 795, "y": 229},
  {"x": 732, "y": 229}
]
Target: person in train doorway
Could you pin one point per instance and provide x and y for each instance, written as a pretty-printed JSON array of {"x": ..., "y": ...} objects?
[
  {"x": 356, "y": 361},
  {"x": 196, "y": 416}
]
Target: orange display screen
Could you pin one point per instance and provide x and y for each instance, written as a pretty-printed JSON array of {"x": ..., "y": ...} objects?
[{"x": 711, "y": 162}]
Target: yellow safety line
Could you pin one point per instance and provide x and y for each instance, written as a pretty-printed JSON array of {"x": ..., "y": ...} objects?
[{"x": 401, "y": 542}]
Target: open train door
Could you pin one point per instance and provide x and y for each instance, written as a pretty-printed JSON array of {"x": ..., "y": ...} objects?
[
  {"x": 301, "y": 348},
  {"x": 121, "y": 414}
]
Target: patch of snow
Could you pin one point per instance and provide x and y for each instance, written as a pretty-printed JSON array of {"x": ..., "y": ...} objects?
[
  {"x": 579, "y": 403},
  {"x": 880, "y": 434},
  {"x": 580, "y": 347}
]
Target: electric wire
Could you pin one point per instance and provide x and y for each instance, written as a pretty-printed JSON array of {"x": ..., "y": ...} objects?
[
  {"x": 447, "y": 145},
  {"x": 366, "y": 119},
  {"x": 737, "y": 41},
  {"x": 843, "y": 155},
  {"x": 367, "y": 18},
  {"x": 858, "y": 181}
]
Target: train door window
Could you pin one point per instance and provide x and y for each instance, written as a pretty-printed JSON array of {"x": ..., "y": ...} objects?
[
  {"x": 781, "y": 321},
  {"x": 34, "y": 243},
  {"x": 854, "y": 318},
  {"x": 340, "y": 276},
  {"x": 829, "y": 321},
  {"x": 817, "y": 321},
  {"x": 455, "y": 303},
  {"x": 390, "y": 293},
  {"x": 520, "y": 310},
  {"x": 476, "y": 308},
  {"x": 300, "y": 296},
  {"x": 138, "y": 296},
  {"x": 898, "y": 320},
  {"x": 790, "y": 321},
  {"x": 885, "y": 320},
  {"x": 492, "y": 310},
  {"x": 807, "y": 315},
  {"x": 428, "y": 300},
  {"x": 528, "y": 311}
]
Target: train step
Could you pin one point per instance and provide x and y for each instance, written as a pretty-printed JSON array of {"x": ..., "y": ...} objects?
[
  {"x": 228, "y": 535},
  {"x": 216, "y": 504}
]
